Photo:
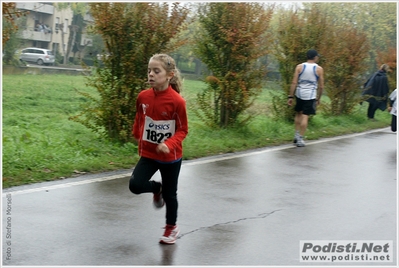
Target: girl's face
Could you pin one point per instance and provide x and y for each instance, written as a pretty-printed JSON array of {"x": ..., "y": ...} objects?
[{"x": 157, "y": 75}]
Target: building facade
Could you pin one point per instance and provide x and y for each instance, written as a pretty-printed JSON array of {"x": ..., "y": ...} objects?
[{"x": 48, "y": 27}]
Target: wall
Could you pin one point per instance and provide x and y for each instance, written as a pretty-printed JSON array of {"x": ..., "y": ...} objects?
[{"x": 38, "y": 70}]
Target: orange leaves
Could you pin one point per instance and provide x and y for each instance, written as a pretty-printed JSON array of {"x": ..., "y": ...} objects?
[
  {"x": 234, "y": 37},
  {"x": 132, "y": 32},
  {"x": 345, "y": 62},
  {"x": 343, "y": 48},
  {"x": 389, "y": 57},
  {"x": 212, "y": 80},
  {"x": 10, "y": 13}
]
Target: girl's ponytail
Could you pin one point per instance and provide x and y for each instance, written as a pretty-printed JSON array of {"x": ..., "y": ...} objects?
[{"x": 176, "y": 81}]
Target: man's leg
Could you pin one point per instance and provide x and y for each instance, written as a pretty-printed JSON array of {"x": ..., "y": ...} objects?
[
  {"x": 303, "y": 124},
  {"x": 298, "y": 118}
]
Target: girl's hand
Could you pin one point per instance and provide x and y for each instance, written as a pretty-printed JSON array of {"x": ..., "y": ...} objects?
[{"x": 162, "y": 148}]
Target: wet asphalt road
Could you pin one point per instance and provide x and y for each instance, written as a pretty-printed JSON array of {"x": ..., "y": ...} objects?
[{"x": 245, "y": 209}]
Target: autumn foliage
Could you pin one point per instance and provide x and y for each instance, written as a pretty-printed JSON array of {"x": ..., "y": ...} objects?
[
  {"x": 232, "y": 37},
  {"x": 132, "y": 33},
  {"x": 343, "y": 48},
  {"x": 389, "y": 57},
  {"x": 231, "y": 40},
  {"x": 10, "y": 14},
  {"x": 297, "y": 32}
]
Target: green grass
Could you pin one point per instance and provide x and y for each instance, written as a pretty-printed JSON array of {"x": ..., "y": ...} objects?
[{"x": 41, "y": 144}]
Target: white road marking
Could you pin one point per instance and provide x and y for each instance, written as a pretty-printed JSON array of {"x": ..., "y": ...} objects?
[
  {"x": 194, "y": 162},
  {"x": 67, "y": 184}
]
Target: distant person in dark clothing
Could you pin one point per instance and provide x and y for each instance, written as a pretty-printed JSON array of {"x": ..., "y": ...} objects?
[{"x": 376, "y": 91}]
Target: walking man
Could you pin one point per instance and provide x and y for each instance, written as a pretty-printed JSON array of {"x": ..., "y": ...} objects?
[
  {"x": 307, "y": 85},
  {"x": 376, "y": 91}
]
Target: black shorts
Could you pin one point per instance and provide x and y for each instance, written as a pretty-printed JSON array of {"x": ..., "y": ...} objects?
[{"x": 307, "y": 107}]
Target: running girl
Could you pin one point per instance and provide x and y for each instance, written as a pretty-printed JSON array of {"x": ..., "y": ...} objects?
[{"x": 160, "y": 127}]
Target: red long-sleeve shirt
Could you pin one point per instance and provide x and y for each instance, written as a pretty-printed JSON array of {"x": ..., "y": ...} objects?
[{"x": 160, "y": 117}]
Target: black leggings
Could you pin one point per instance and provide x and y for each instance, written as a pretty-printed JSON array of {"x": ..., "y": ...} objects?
[{"x": 140, "y": 183}]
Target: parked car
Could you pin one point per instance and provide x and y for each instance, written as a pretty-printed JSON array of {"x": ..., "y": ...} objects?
[{"x": 37, "y": 55}]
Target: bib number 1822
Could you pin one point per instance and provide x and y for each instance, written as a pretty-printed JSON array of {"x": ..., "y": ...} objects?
[{"x": 157, "y": 137}]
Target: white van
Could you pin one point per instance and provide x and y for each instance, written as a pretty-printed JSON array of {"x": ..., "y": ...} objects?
[{"x": 37, "y": 55}]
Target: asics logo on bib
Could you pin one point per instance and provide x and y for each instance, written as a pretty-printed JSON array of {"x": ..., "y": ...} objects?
[
  {"x": 157, "y": 131},
  {"x": 159, "y": 127}
]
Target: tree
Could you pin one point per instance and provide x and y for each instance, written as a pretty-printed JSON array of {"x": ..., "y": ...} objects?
[
  {"x": 132, "y": 33},
  {"x": 298, "y": 30},
  {"x": 378, "y": 20},
  {"x": 232, "y": 39},
  {"x": 346, "y": 50},
  {"x": 343, "y": 47},
  {"x": 97, "y": 47},
  {"x": 10, "y": 14},
  {"x": 389, "y": 57}
]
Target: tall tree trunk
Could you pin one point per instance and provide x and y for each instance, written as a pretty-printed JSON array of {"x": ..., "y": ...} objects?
[
  {"x": 61, "y": 27},
  {"x": 71, "y": 42}
]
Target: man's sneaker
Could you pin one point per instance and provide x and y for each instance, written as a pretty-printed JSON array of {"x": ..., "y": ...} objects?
[
  {"x": 170, "y": 235},
  {"x": 158, "y": 200},
  {"x": 300, "y": 142}
]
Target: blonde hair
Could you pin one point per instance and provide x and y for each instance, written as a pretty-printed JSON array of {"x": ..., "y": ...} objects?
[{"x": 169, "y": 64}]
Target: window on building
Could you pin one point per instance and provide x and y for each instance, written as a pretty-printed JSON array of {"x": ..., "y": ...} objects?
[
  {"x": 55, "y": 48},
  {"x": 57, "y": 23},
  {"x": 66, "y": 26}
]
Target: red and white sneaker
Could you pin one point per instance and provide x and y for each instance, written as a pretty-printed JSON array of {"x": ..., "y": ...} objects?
[
  {"x": 170, "y": 235},
  {"x": 158, "y": 200}
]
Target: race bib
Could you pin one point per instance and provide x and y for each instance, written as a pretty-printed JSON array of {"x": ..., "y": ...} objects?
[{"x": 157, "y": 131}]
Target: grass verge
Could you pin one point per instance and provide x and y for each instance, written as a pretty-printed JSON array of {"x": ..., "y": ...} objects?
[{"x": 39, "y": 143}]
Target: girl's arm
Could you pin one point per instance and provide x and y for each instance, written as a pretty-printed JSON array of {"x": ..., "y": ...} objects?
[{"x": 181, "y": 127}]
